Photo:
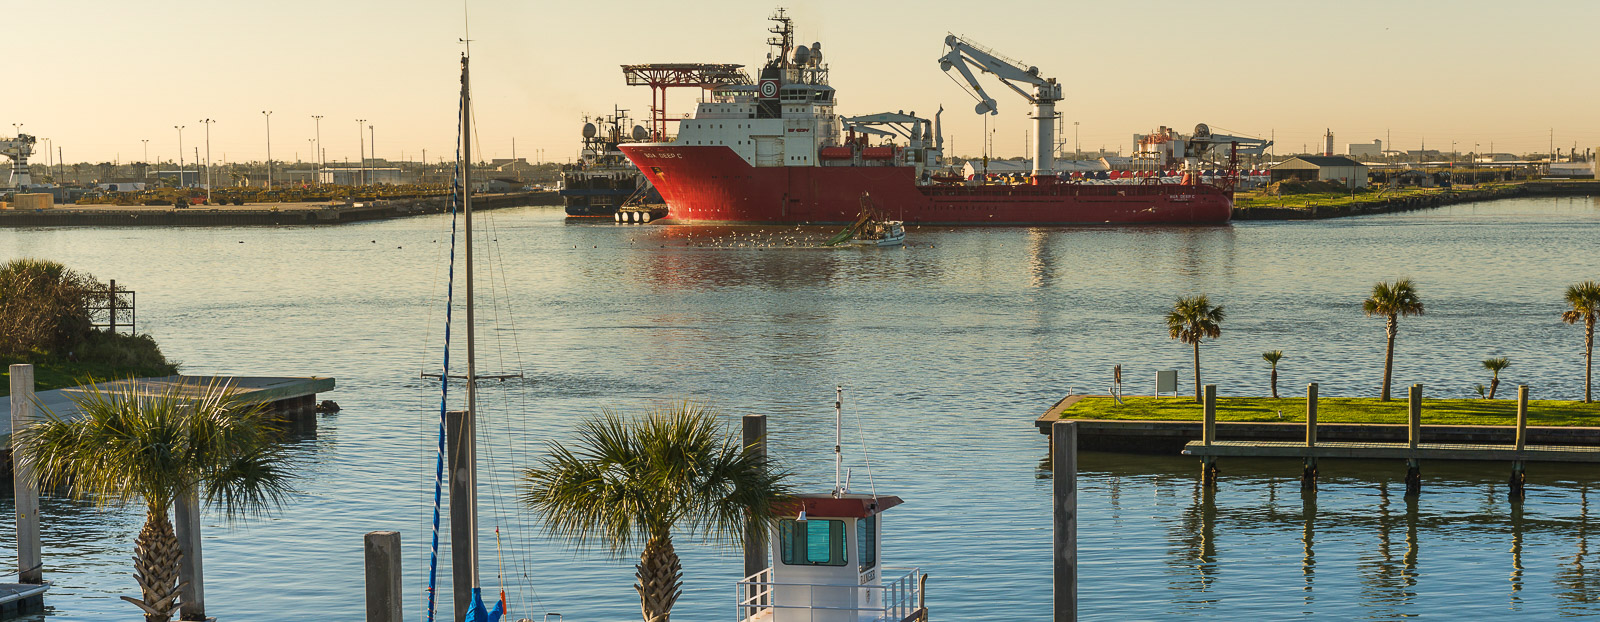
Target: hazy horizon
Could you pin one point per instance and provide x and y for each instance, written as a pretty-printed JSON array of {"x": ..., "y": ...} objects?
[{"x": 99, "y": 77}]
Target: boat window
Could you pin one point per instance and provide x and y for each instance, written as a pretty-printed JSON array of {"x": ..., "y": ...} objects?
[
  {"x": 816, "y": 542},
  {"x": 867, "y": 539}
]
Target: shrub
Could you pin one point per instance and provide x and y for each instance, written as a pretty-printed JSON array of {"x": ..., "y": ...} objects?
[
  {"x": 44, "y": 307},
  {"x": 124, "y": 351}
]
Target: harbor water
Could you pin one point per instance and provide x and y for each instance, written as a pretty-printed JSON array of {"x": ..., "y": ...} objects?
[{"x": 947, "y": 350}]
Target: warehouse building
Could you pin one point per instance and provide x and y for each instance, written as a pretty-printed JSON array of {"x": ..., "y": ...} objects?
[{"x": 1351, "y": 173}]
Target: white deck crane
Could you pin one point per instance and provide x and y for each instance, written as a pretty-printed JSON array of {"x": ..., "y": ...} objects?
[
  {"x": 1044, "y": 95},
  {"x": 18, "y": 149}
]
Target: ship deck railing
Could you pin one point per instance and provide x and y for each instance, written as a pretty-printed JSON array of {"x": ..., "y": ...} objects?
[{"x": 900, "y": 601}]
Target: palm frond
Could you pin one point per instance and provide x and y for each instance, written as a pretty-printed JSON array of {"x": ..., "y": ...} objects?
[
  {"x": 1393, "y": 299},
  {"x": 1193, "y": 319}
]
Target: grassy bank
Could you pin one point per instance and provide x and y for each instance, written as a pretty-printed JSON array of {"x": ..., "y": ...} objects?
[
  {"x": 1342, "y": 410},
  {"x": 58, "y": 375},
  {"x": 1259, "y": 198}
]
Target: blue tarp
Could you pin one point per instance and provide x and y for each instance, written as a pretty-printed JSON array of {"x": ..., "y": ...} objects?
[{"x": 479, "y": 613}]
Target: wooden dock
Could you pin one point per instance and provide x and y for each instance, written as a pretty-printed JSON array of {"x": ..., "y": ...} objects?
[
  {"x": 17, "y": 599},
  {"x": 291, "y": 398}
]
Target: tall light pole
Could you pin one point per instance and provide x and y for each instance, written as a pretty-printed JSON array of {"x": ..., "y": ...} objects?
[
  {"x": 363, "y": 137},
  {"x": 372, "y": 144},
  {"x": 316, "y": 154},
  {"x": 146, "y": 142},
  {"x": 208, "y": 123},
  {"x": 1077, "y": 147},
  {"x": 268, "y": 115},
  {"x": 180, "y": 154}
]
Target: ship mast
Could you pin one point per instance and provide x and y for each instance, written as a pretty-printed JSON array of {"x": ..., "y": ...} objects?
[{"x": 471, "y": 525}]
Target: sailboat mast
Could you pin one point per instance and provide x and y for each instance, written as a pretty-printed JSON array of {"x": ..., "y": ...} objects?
[{"x": 472, "y": 336}]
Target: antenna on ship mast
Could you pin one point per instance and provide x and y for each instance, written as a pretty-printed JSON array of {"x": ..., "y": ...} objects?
[{"x": 839, "y": 485}]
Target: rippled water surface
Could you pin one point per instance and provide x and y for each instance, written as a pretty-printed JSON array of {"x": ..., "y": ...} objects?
[{"x": 947, "y": 349}]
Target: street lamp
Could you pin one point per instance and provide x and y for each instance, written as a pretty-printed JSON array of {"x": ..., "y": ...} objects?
[
  {"x": 363, "y": 139},
  {"x": 268, "y": 115},
  {"x": 146, "y": 142},
  {"x": 180, "y": 154},
  {"x": 317, "y": 154},
  {"x": 372, "y": 145},
  {"x": 208, "y": 123},
  {"x": 1077, "y": 147}
]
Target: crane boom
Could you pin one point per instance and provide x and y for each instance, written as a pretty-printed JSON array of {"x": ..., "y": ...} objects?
[{"x": 1045, "y": 93}]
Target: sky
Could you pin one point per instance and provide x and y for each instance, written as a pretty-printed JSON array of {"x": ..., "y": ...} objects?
[{"x": 98, "y": 77}]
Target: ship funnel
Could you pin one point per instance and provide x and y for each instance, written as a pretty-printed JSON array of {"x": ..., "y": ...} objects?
[{"x": 589, "y": 130}]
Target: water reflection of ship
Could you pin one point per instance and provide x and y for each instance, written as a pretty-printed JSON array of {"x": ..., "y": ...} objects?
[{"x": 603, "y": 180}]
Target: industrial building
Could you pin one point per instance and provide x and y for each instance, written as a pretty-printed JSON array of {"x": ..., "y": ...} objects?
[
  {"x": 1373, "y": 149},
  {"x": 354, "y": 176},
  {"x": 1322, "y": 168}
]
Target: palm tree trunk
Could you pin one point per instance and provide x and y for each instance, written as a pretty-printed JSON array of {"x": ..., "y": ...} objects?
[
  {"x": 660, "y": 579},
  {"x": 155, "y": 567},
  {"x": 1588, "y": 356},
  {"x": 1494, "y": 383},
  {"x": 1274, "y": 382},
  {"x": 1388, "y": 359},
  {"x": 1197, "y": 398}
]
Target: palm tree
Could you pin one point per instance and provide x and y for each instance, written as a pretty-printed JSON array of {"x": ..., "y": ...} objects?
[
  {"x": 630, "y": 482},
  {"x": 126, "y": 445},
  {"x": 1585, "y": 300},
  {"x": 1495, "y": 365},
  {"x": 1391, "y": 301},
  {"x": 1191, "y": 320},
  {"x": 1273, "y": 356}
]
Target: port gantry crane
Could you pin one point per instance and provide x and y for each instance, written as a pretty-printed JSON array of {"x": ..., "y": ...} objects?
[
  {"x": 1044, "y": 95},
  {"x": 18, "y": 149}
]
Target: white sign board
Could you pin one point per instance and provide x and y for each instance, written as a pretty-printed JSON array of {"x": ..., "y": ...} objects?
[{"x": 1167, "y": 382}]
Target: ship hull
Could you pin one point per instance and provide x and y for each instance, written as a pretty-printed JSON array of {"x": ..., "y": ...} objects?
[{"x": 713, "y": 184}]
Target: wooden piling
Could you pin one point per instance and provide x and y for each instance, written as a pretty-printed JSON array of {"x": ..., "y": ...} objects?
[
  {"x": 1208, "y": 436},
  {"x": 30, "y": 567},
  {"x": 755, "y": 538},
  {"x": 1516, "y": 489},
  {"x": 1064, "y": 472},
  {"x": 1308, "y": 474},
  {"x": 191, "y": 573},
  {"x": 459, "y": 430},
  {"x": 384, "y": 586},
  {"x": 1414, "y": 417}
]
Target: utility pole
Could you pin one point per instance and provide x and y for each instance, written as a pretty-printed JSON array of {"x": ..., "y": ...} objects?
[
  {"x": 268, "y": 115},
  {"x": 180, "y": 154},
  {"x": 1077, "y": 146},
  {"x": 363, "y": 137},
  {"x": 316, "y": 153},
  {"x": 208, "y": 123},
  {"x": 146, "y": 142}
]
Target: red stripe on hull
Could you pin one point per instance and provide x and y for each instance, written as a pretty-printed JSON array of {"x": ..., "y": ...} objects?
[{"x": 714, "y": 184}]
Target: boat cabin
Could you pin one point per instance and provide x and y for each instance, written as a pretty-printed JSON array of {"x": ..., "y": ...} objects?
[{"x": 826, "y": 567}]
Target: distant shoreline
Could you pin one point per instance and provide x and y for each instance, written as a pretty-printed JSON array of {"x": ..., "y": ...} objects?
[
  {"x": 259, "y": 213},
  {"x": 1308, "y": 209}
]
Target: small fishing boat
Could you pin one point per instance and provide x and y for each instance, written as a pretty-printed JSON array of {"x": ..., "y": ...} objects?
[{"x": 871, "y": 228}]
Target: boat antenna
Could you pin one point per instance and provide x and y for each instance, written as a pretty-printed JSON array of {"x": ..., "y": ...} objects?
[{"x": 839, "y": 487}]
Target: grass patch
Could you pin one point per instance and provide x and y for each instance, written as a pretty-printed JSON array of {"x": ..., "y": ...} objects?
[
  {"x": 1258, "y": 198},
  {"x": 60, "y": 374},
  {"x": 1341, "y": 410}
]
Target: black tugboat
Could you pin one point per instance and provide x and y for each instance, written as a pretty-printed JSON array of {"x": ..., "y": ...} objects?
[{"x": 603, "y": 180}]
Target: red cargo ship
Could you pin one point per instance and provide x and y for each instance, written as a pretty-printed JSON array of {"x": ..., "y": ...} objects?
[{"x": 776, "y": 152}]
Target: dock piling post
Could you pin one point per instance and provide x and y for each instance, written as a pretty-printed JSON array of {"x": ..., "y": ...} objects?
[
  {"x": 1414, "y": 416},
  {"x": 384, "y": 586},
  {"x": 1308, "y": 475},
  {"x": 1064, "y": 472},
  {"x": 459, "y": 432},
  {"x": 755, "y": 540},
  {"x": 1208, "y": 435},
  {"x": 30, "y": 567},
  {"x": 1517, "y": 489},
  {"x": 191, "y": 573}
]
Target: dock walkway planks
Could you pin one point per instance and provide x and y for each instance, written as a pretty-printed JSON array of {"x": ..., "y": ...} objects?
[
  {"x": 1399, "y": 451},
  {"x": 260, "y": 389}
]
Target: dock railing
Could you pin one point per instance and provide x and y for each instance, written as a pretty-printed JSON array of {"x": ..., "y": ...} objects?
[{"x": 900, "y": 599}]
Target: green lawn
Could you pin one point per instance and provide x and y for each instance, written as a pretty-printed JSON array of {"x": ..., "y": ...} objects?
[
  {"x": 1342, "y": 410},
  {"x": 1257, "y": 198},
  {"x": 56, "y": 375}
]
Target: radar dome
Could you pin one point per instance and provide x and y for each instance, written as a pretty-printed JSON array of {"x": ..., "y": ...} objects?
[
  {"x": 1202, "y": 130},
  {"x": 802, "y": 55},
  {"x": 589, "y": 130},
  {"x": 639, "y": 133}
]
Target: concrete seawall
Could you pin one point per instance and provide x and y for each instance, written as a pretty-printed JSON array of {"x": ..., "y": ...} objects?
[
  {"x": 259, "y": 214},
  {"x": 1406, "y": 204}
]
